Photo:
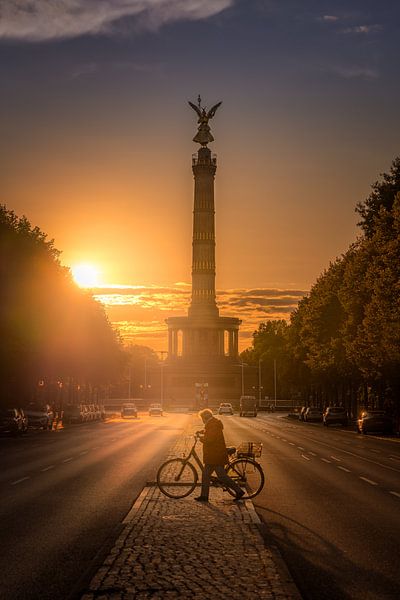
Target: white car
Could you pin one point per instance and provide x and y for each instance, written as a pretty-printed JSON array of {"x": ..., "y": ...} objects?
[
  {"x": 155, "y": 409},
  {"x": 225, "y": 408}
]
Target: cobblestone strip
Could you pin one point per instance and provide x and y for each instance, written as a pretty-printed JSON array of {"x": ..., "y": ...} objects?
[{"x": 183, "y": 549}]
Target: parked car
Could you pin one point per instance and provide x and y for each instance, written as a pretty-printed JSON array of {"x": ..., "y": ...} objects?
[
  {"x": 248, "y": 406},
  {"x": 10, "y": 421},
  {"x": 335, "y": 414},
  {"x": 39, "y": 415},
  {"x": 376, "y": 421},
  {"x": 129, "y": 410},
  {"x": 155, "y": 409},
  {"x": 73, "y": 414},
  {"x": 301, "y": 413},
  {"x": 313, "y": 415},
  {"x": 225, "y": 408}
]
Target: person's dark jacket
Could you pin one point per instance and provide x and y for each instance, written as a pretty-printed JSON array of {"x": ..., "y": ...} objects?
[{"x": 214, "y": 449}]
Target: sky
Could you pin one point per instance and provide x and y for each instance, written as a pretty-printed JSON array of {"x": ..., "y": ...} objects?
[{"x": 96, "y": 141}]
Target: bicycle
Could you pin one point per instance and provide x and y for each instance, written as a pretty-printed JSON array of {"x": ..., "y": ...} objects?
[{"x": 178, "y": 477}]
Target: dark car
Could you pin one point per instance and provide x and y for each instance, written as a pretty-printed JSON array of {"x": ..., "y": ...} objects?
[
  {"x": 11, "y": 421},
  {"x": 73, "y": 414},
  {"x": 129, "y": 410},
  {"x": 374, "y": 421},
  {"x": 155, "y": 409},
  {"x": 248, "y": 406},
  {"x": 39, "y": 415},
  {"x": 335, "y": 415},
  {"x": 313, "y": 415}
]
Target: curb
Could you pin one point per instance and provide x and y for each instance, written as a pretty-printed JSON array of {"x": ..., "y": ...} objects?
[{"x": 287, "y": 580}]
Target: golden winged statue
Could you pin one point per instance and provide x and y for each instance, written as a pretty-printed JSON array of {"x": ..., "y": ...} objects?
[{"x": 204, "y": 135}]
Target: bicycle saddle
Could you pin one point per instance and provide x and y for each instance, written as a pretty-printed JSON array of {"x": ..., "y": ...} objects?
[{"x": 231, "y": 450}]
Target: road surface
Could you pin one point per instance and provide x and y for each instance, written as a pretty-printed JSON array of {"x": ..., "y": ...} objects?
[
  {"x": 64, "y": 493},
  {"x": 331, "y": 504}
]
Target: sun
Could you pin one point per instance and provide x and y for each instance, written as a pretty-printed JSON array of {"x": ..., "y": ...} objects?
[{"x": 85, "y": 275}]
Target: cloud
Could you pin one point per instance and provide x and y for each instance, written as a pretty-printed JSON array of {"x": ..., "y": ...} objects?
[
  {"x": 362, "y": 29},
  {"x": 37, "y": 20},
  {"x": 355, "y": 72},
  {"x": 139, "y": 312},
  {"x": 329, "y": 18}
]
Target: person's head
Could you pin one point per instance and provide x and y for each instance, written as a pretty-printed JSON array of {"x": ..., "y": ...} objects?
[{"x": 205, "y": 415}]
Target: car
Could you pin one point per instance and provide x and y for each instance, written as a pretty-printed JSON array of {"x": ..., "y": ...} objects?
[
  {"x": 301, "y": 413},
  {"x": 39, "y": 415},
  {"x": 376, "y": 421},
  {"x": 129, "y": 410},
  {"x": 248, "y": 406},
  {"x": 312, "y": 415},
  {"x": 334, "y": 415},
  {"x": 11, "y": 421},
  {"x": 225, "y": 408},
  {"x": 155, "y": 409},
  {"x": 73, "y": 414}
]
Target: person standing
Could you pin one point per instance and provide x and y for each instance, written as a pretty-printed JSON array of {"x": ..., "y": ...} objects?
[{"x": 215, "y": 456}]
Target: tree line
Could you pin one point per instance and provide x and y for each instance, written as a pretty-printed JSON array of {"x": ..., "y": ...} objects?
[
  {"x": 54, "y": 336},
  {"x": 342, "y": 343}
]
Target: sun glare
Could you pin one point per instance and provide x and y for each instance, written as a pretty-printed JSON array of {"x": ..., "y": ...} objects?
[{"x": 85, "y": 275}]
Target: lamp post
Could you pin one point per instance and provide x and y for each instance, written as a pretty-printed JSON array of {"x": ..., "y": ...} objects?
[
  {"x": 162, "y": 352},
  {"x": 243, "y": 365},
  {"x": 275, "y": 380},
  {"x": 130, "y": 382},
  {"x": 259, "y": 381}
]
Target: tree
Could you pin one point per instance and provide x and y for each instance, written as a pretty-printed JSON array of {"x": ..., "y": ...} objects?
[
  {"x": 50, "y": 329},
  {"x": 382, "y": 196}
]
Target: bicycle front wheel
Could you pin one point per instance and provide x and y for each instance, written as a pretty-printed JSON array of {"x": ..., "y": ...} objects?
[
  {"x": 248, "y": 474},
  {"x": 177, "y": 478}
]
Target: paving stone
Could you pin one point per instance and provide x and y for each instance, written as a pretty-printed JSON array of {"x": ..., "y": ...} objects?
[{"x": 183, "y": 549}]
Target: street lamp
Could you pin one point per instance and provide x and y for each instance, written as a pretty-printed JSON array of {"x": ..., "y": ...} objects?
[
  {"x": 243, "y": 365},
  {"x": 162, "y": 352},
  {"x": 130, "y": 382}
]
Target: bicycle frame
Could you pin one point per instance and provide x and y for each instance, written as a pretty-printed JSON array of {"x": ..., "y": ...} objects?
[{"x": 194, "y": 454}]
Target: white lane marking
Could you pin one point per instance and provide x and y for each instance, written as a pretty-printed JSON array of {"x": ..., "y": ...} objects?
[
  {"x": 395, "y": 494},
  {"x": 47, "y": 468},
  {"x": 291, "y": 443},
  {"x": 312, "y": 453},
  {"x": 283, "y": 440},
  {"x": 19, "y": 480},
  {"x": 326, "y": 460},
  {"x": 368, "y": 480},
  {"x": 376, "y": 451},
  {"x": 300, "y": 447},
  {"x": 337, "y": 459},
  {"x": 305, "y": 457},
  {"x": 391, "y": 457},
  {"x": 374, "y": 462},
  {"x": 67, "y": 459},
  {"x": 84, "y": 452},
  {"x": 95, "y": 447},
  {"x": 343, "y": 469}
]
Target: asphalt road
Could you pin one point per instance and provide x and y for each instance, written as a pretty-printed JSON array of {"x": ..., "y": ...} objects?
[
  {"x": 63, "y": 495},
  {"x": 331, "y": 504}
]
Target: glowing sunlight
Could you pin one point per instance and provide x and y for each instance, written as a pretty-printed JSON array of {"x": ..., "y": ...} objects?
[{"x": 85, "y": 275}]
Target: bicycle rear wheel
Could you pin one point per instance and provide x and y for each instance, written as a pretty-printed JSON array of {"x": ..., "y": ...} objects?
[
  {"x": 248, "y": 474},
  {"x": 177, "y": 478}
]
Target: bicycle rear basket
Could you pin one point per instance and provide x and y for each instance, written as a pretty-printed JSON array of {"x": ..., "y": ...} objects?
[{"x": 252, "y": 449}]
